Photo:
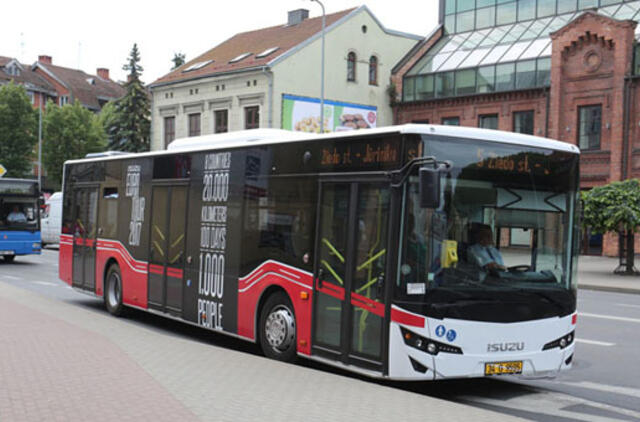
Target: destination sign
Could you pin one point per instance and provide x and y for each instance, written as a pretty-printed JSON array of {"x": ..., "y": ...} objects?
[
  {"x": 520, "y": 163},
  {"x": 360, "y": 154}
]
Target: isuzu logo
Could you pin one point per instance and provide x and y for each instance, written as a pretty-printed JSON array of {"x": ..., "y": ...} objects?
[{"x": 505, "y": 347}]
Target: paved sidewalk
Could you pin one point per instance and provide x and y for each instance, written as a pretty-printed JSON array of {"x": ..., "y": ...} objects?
[
  {"x": 596, "y": 273},
  {"x": 68, "y": 362}
]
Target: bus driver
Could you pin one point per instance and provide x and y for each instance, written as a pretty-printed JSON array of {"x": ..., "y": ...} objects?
[
  {"x": 483, "y": 252},
  {"x": 16, "y": 216}
]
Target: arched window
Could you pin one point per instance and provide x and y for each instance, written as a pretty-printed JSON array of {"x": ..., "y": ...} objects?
[
  {"x": 351, "y": 66},
  {"x": 373, "y": 70}
]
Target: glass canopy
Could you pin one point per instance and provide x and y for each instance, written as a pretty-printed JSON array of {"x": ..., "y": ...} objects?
[{"x": 506, "y": 57}]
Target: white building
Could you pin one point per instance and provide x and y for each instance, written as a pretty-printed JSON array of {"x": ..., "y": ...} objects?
[{"x": 271, "y": 78}]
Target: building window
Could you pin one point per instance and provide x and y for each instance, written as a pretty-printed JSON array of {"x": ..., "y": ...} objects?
[
  {"x": 221, "y": 120},
  {"x": 64, "y": 100},
  {"x": 252, "y": 117},
  {"x": 351, "y": 66},
  {"x": 194, "y": 124},
  {"x": 589, "y": 124},
  {"x": 488, "y": 121},
  {"x": 523, "y": 122},
  {"x": 451, "y": 121},
  {"x": 373, "y": 70},
  {"x": 169, "y": 130}
]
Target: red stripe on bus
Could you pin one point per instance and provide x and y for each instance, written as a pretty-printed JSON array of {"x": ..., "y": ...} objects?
[
  {"x": 156, "y": 269},
  {"x": 330, "y": 290},
  {"x": 174, "y": 272},
  {"x": 406, "y": 318},
  {"x": 293, "y": 281},
  {"x": 365, "y": 303},
  {"x": 134, "y": 273}
]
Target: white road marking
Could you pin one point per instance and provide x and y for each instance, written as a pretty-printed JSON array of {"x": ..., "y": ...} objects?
[
  {"x": 628, "y": 306},
  {"x": 46, "y": 283},
  {"x": 627, "y": 391},
  {"x": 595, "y": 342},
  {"x": 10, "y": 277},
  {"x": 615, "y": 318}
]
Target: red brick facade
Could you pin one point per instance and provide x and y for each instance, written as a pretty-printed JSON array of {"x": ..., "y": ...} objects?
[{"x": 591, "y": 64}]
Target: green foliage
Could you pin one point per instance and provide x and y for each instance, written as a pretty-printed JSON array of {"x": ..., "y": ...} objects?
[
  {"x": 69, "y": 132},
  {"x": 178, "y": 60},
  {"x": 18, "y": 130},
  {"x": 130, "y": 128},
  {"x": 108, "y": 118},
  {"x": 613, "y": 207}
]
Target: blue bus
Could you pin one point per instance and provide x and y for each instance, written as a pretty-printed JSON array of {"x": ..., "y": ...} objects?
[{"x": 19, "y": 218}]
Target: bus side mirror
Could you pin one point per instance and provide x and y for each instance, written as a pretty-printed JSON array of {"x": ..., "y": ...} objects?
[{"x": 429, "y": 184}]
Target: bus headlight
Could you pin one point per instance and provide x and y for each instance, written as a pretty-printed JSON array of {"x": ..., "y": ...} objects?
[
  {"x": 426, "y": 344},
  {"x": 562, "y": 342}
]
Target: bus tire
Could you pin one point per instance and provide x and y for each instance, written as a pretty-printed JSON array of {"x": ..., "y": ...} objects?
[
  {"x": 113, "y": 291},
  {"x": 9, "y": 258},
  {"x": 278, "y": 328}
]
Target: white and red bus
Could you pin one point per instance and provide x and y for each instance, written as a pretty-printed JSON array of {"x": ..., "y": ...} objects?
[{"x": 410, "y": 252}]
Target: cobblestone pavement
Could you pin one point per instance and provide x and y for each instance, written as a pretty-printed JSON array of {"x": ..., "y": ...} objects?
[{"x": 68, "y": 362}]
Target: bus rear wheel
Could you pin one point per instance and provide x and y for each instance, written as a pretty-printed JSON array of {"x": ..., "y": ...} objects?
[
  {"x": 113, "y": 291},
  {"x": 9, "y": 258},
  {"x": 278, "y": 328}
]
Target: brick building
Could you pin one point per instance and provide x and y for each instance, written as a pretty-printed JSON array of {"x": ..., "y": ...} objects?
[
  {"x": 45, "y": 81},
  {"x": 563, "y": 69}
]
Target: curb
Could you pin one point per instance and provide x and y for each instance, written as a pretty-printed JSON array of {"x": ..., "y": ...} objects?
[{"x": 612, "y": 289}]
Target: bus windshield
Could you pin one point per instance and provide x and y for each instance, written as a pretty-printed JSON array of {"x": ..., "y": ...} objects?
[
  {"x": 18, "y": 213},
  {"x": 501, "y": 245}
]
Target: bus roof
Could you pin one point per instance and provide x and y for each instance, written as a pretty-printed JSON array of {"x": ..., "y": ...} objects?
[{"x": 262, "y": 137}]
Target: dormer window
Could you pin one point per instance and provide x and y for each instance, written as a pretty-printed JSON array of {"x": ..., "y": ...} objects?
[
  {"x": 91, "y": 81},
  {"x": 12, "y": 69}
]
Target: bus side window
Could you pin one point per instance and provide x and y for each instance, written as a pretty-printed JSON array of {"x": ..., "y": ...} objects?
[{"x": 279, "y": 224}]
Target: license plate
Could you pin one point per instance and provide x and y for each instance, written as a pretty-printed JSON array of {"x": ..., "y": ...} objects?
[
  {"x": 7, "y": 253},
  {"x": 500, "y": 368}
]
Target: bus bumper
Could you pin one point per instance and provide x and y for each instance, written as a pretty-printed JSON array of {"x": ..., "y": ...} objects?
[
  {"x": 12, "y": 243},
  {"x": 529, "y": 349}
]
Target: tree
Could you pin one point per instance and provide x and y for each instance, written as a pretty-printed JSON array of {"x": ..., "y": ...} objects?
[
  {"x": 108, "y": 118},
  {"x": 615, "y": 208},
  {"x": 18, "y": 130},
  {"x": 178, "y": 60},
  {"x": 131, "y": 127},
  {"x": 69, "y": 132}
]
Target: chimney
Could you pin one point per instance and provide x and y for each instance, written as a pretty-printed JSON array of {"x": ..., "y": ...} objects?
[
  {"x": 297, "y": 16},
  {"x": 45, "y": 59},
  {"x": 103, "y": 73}
]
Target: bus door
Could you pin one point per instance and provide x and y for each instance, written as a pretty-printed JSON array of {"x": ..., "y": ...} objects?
[
  {"x": 167, "y": 247},
  {"x": 349, "y": 272},
  {"x": 85, "y": 219}
]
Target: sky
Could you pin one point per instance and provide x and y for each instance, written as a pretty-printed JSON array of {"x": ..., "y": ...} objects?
[{"x": 88, "y": 34}]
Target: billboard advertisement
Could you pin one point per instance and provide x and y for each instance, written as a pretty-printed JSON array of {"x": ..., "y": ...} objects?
[{"x": 303, "y": 114}]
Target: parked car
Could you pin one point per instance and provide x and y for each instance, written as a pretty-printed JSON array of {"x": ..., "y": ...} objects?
[{"x": 51, "y": 220}]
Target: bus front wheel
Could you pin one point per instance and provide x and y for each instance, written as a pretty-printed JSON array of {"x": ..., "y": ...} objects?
[
  {"x": 278, "y": 328},
  {"x": 9, "y": 258},
  {"x": 113, "y": 291}
]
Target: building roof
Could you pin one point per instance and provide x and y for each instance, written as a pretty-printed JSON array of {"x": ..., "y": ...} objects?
[
  {"x": 90, "y": 90},
  {"x": 28, "y": 78},
  {"x": 285, "y": 37}
]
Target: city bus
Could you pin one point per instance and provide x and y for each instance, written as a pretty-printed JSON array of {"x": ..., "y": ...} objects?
[
  {"x": 362, "y": 250},
  {"x": 19, "y": 218}
]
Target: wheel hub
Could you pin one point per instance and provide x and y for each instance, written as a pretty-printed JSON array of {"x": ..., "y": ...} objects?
[{"x": 280, "y": 329}]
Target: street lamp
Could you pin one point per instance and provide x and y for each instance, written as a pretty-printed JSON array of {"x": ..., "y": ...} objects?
[{"x": 321, "y": 70}]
